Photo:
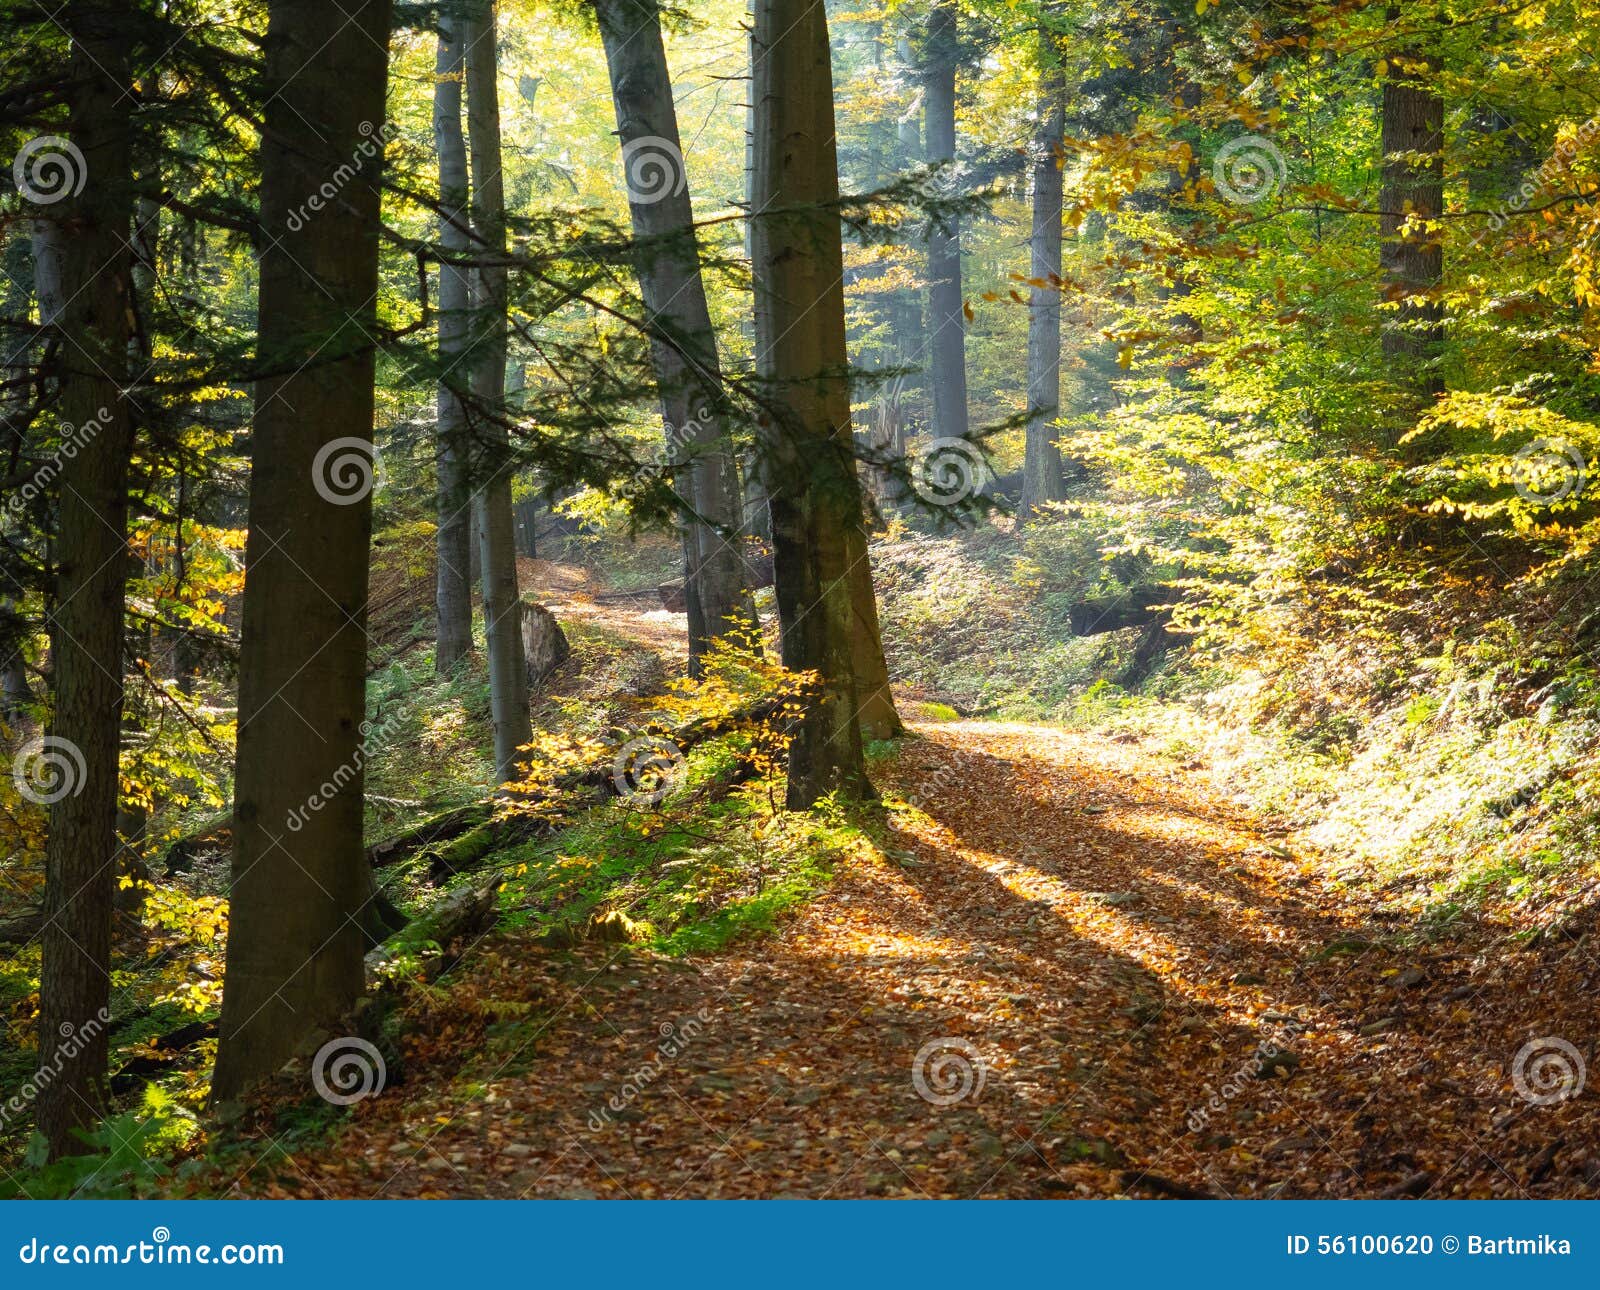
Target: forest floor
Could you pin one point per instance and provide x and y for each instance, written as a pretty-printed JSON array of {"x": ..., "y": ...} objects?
[{"x": 1076, "y": 969}]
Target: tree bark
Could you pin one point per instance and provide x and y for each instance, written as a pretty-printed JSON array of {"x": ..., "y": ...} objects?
[
  {"x": 1412, "y": 258},
  {"x": 948, "y": 350},
  {"x": 694, "y": 404},
  {"x": 93, "y": 314},
  {"x": 808, "y": 459},
  {"x": 502, "y": 609},
  {"x": 300, "y": 878},
  {"x": 1042, "y": 479},
  {"x": 453, "y": 582}
]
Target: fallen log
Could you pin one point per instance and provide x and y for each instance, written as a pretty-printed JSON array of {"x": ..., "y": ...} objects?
[
  {"x": 22, "y": 928},
  {"x": 433, "y": 938}
]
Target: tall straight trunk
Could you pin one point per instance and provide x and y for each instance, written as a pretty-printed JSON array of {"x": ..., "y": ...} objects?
[
  {"x": 757, "y": 519},
  {"x": 875, "y": 710},
  {"x": 16, "y": 696},
  {"x": 1412, "y": 258},
  {"x": 694, "y": 404},
  {"x": 301, "y": 882},
  {"x": 491, "y": 505},
  {"x": 948, "y": 350},
  {"x": 1042, "y": 480},
  {"x": 812, "y": 489},
  {"x": 86, "y": 622},
  {"x": 453, "y": 581}
]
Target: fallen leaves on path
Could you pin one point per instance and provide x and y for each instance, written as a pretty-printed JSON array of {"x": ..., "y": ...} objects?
[{"x": 1074, "y": 973}]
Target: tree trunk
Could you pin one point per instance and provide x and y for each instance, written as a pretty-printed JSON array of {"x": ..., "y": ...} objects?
[
  {"x": 86, "y": 622},
  {"x": 525, "y": 512},
  {"x": 1412, "y": 258},
  {"x": 452, "y": 584},
  {"x": 502, "y": 610},
  {"x": 16, "y": 696},
  {"x": 694, "y": 404},
  {"x": 1041, "y": 467},
  {"x": 948, "y": 350},
  {"x": 812, "y": 488},
  {"x": 300, "y": 877}
]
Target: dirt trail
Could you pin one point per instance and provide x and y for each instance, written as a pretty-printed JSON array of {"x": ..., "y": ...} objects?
[{"x": 1084, "y": 977}]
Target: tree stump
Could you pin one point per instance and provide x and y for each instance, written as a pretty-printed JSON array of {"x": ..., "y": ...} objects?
[{"x": 544, "y": 644}]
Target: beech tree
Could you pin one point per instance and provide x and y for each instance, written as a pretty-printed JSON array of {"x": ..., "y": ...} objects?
[
  {"x": 946, "y": 319},
  {"x": 452, "y": 464},
  {"x": 1042, "y": 480},
  {"x": 494, "y": 467},
  {"x": 1412, "y": 198},
  {"x": 694, "y": 405},
  {"x": 295, "y": 944}
]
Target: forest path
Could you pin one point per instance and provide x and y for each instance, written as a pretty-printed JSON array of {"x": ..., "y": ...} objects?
[{"x": 1084, "y": 975}]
